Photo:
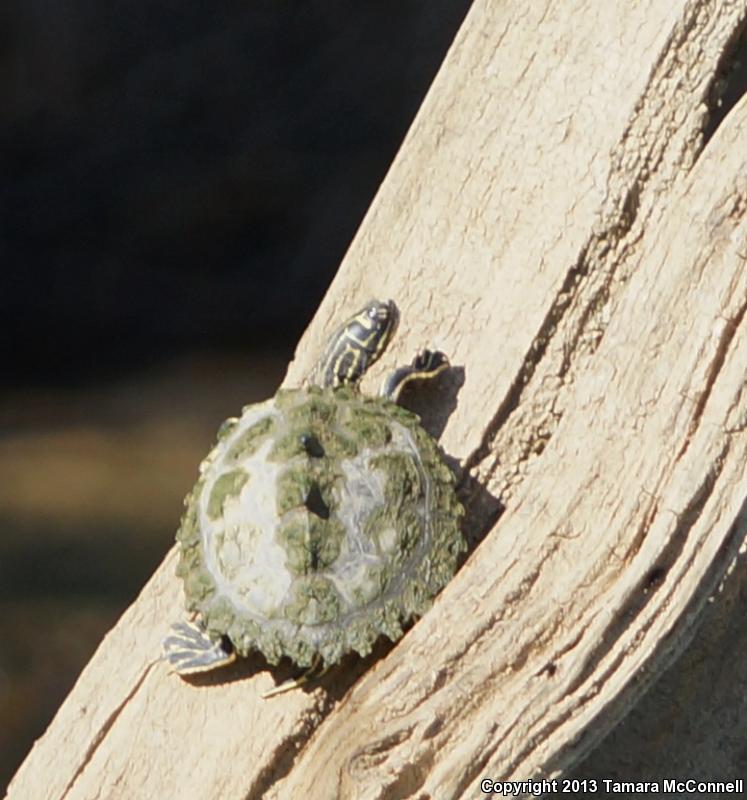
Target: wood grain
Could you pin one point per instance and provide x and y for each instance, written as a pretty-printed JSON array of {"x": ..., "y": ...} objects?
[{"x": 555, "y": 223}]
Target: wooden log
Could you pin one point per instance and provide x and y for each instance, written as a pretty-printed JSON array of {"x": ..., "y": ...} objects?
[{"x": 557, "y": 224}]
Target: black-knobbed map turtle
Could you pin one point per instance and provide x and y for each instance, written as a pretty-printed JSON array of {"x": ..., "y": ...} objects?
[{"x": 322, "y": 518}]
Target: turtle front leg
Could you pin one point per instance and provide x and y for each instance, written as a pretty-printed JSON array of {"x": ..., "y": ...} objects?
[
  {"x": 426, "y": 365},
  {"x": 190, "y": 650}
]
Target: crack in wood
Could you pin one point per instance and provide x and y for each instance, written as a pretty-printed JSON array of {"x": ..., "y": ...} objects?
[
  {"x": 607, "y": 718},
  {"x": 286, "y": 754},
  {"x": 725, "y": 340},
  {"x": 728, "y": 84},
  {"x": 618, "y": 220},
  {"x": 643, "y": 592},
  {"x": 104, "y": 730}
]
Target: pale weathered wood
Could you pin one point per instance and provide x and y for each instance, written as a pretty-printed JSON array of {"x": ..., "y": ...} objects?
[{"x": 553, "y": 223}]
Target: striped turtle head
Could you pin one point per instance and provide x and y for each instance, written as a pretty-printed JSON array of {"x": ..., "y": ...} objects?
[{"x": 358, "y": 344}]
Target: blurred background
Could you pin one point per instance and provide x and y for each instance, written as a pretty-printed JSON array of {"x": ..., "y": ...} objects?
[{"x": 178, "y": 183}]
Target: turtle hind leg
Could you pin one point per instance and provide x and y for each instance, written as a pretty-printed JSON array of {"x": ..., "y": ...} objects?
[
  {"x": 189, "y": 650},
  {"x": 316, "y": 670},
  {"x": 426, "y": 365}
]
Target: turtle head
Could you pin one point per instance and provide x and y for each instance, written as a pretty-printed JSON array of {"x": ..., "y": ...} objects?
[
  {"x": 373, "y": 327},
  {"x": 359, "y": 343}
]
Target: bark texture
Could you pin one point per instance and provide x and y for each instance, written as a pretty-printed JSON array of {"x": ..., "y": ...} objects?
[{"x": 556, "y": 222}]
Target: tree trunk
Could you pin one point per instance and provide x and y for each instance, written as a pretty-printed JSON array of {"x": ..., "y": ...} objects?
[{"x": 556, "y": 222}]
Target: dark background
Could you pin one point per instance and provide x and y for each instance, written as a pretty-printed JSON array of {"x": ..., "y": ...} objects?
[{"x": 178, "y": 183}]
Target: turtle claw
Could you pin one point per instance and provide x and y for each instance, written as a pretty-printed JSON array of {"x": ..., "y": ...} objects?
[
  {"x": 316, "y": 670},
  {"x": 188, "y": 650}
]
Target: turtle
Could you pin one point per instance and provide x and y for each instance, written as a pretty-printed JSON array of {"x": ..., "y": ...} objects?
[{"x": 322, "y": 518}]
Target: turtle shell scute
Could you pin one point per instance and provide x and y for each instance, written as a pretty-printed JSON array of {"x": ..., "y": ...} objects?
[{"x": 321, "y": 520}]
